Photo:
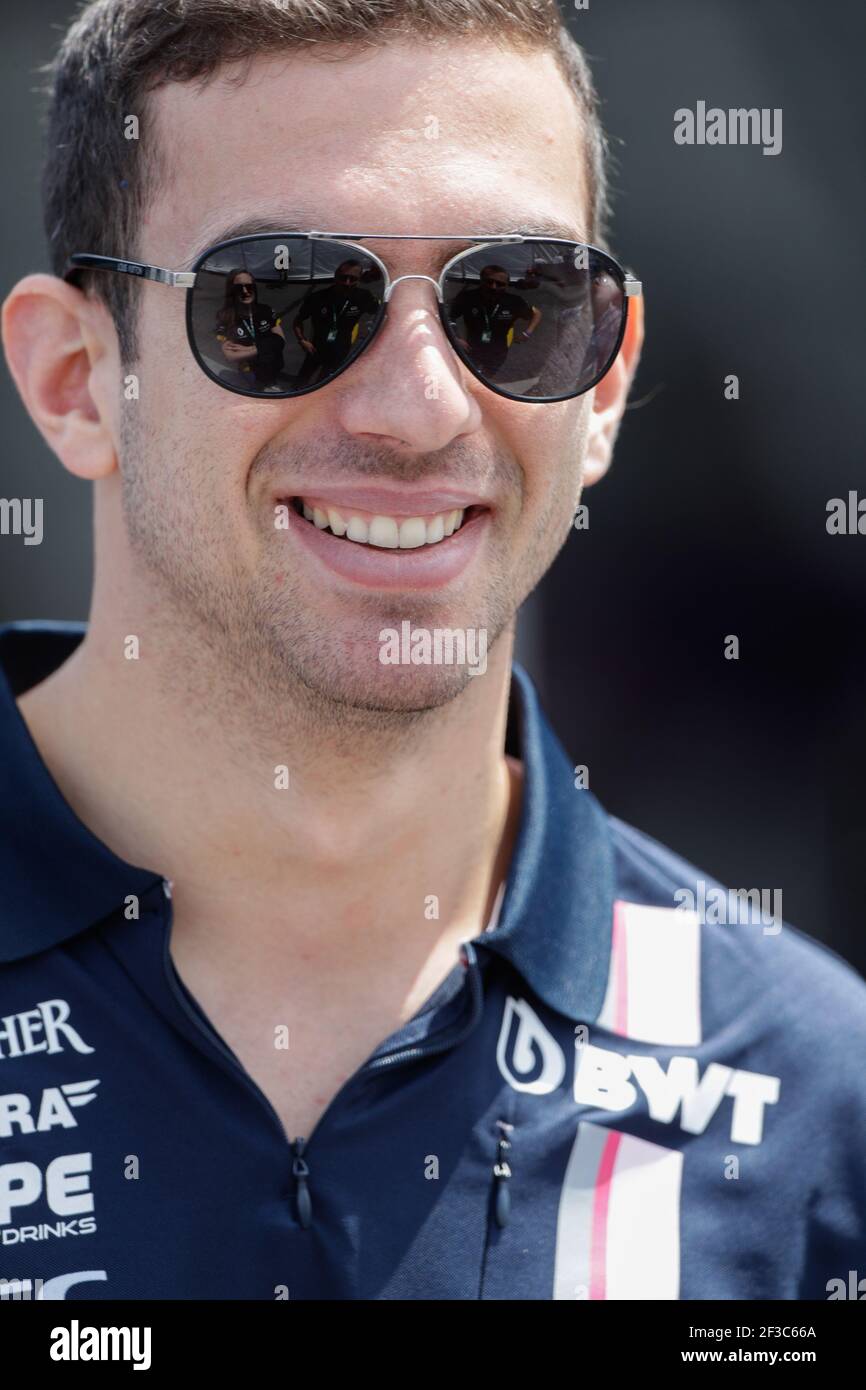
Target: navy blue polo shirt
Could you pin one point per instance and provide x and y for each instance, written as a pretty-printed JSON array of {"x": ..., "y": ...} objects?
[{"x": 623, "y": 1090}]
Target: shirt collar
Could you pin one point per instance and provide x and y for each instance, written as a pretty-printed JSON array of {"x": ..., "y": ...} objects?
[
  {"x": 554, "y": 922},
  {"x": 58, "y": 879}
]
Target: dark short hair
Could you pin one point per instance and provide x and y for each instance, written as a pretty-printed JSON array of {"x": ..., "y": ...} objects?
[{"x": 97, "y": 182}]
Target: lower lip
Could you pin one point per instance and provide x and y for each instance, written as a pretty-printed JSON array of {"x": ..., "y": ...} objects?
[{"x": 427, "y": 567}]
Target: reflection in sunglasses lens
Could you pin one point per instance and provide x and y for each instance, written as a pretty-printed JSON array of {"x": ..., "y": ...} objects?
[
  {"x": 537, "y": 320},
  {"x": 535, "y": 325},
  {"x": 309, "y": 310}
]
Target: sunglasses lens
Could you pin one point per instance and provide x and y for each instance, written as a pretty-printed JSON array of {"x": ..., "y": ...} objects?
[
  {"x": 312, "y": 309},
  {"x": 571, "y": 297}
]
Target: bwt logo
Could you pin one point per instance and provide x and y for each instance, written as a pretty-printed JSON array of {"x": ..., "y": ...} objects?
[{"x": 531, "y": 1059}]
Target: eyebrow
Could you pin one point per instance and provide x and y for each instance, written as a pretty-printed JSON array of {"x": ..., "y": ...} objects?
[
  {"x": 261, "y": 226},
  {"x": 549, "y": 226}
]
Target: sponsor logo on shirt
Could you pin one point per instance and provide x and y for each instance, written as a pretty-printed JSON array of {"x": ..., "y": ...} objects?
[
  {"x": 54, "y": 1107},
  {"x": 48, "y": 1290},
  {"x": 44, "y": 1028},
  {"x": 65, "y": 1186},
  {"x": 530, "y": 1059},
  {"x": 15, "y": 1235}
]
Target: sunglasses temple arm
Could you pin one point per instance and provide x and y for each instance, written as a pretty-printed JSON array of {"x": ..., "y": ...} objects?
[{"x": 82, "y": 260}]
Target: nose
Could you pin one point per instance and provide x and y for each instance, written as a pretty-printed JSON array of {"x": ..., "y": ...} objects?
[
  {"x": 409, "y": 388},
  {"x": 394, "y": 283}
]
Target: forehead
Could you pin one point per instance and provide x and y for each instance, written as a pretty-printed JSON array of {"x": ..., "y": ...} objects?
[{"x": 414, "y": 137}]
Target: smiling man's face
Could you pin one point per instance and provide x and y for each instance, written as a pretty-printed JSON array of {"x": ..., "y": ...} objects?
[{"x": 405, "y": 431}]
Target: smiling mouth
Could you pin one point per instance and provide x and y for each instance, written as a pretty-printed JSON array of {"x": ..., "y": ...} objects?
[{"x": 382, "y": 531}]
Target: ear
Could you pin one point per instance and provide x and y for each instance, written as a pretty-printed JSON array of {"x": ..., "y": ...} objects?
[
  {"x": 62, "y": 351},
  {"x": 610, "y": 395}
]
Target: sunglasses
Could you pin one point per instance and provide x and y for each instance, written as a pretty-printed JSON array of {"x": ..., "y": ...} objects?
[{"x": 546, "y": 339}]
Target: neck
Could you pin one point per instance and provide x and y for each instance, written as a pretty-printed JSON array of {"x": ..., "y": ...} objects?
[{"x": 175, "y": 765}]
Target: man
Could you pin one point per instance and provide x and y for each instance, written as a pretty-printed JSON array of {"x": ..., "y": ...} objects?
[
  {"x": 336, "y": 313},
  {"x": 325, "y": 976},
  {"x": 250, "y": 335},
  {"x": 490, "y": 313}
]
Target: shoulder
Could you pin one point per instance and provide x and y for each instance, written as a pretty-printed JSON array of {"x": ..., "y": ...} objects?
[
  {"x": 758, "y": 973},
  {"x": 775, "y": 1018}
]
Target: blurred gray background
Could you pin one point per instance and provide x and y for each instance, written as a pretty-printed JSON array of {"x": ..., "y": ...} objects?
[{"x": 713, "y": 518}]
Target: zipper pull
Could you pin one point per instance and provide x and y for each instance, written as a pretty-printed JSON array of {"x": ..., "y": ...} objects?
[
  {"x": 301, "y": 1173},
  {"x": 501, "y": 1174}
]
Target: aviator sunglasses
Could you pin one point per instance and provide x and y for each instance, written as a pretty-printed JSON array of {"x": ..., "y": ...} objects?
[{"x": 535, "y": 319}]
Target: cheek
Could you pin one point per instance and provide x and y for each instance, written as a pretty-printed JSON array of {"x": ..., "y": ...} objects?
[
  {"x": 206, "y": 437},
  {"x": 175, "y": 393},
  {"x": 551, "y": 448}
]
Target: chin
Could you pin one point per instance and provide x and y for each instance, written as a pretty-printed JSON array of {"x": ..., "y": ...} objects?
[
  {"x": 397, "y": 690},
  {"x": 374, "y": 660},
  {"x": 385, "y": 690}
]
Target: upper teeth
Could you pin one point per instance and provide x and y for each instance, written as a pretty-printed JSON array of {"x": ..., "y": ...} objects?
[{"x": 391, "y": 532}]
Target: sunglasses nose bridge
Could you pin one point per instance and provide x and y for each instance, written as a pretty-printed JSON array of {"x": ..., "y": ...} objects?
[{"x": 435, "y": 283}]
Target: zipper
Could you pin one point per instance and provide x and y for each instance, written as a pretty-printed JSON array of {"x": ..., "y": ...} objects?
[
  {"x": 501, "y": 1174},
  {"x": 450, "y": 1037},
  {"x": 301, "y": 1174},
  {"x": 299, "y": 1147},
  {"x": 499, "y": 1198}
]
